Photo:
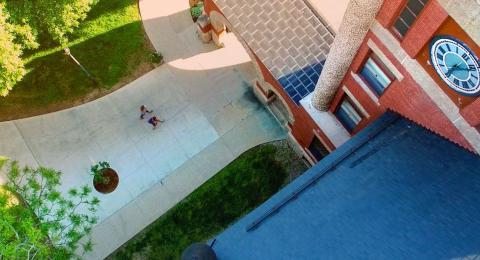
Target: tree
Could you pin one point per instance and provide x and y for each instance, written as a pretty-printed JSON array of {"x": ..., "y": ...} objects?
[
  {"x": 12, "y": 68},
  {"x": 19, "y": 30},
  {"x": 37, "y": 221},
  {"x": 14, "y": 37},
  {"x": 59, "y": 18}
]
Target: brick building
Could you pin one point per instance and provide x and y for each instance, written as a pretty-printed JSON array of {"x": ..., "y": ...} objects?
[
  {"x": 397, "y": 49},
  {"x": 385, "y": 185},
  {"x": 379, "y": 56}
]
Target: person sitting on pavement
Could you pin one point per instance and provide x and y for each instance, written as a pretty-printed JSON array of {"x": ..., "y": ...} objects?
[
  {"x": 154, "y": 121},
  {"x": 144, "y": 111}
]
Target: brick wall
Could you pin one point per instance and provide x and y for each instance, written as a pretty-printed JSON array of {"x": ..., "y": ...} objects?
[
  {"x": 427, "y": 23},
  {"x": 389, "y": 12},
  {"x": 429, "y": 20},
  {"x": 303, "y": 127},
  {"x": 404, "y": 97},
  {"x": 472, "y": 113}
]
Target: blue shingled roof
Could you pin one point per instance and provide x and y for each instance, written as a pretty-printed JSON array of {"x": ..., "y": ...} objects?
[
  {"x": 301, "y": 82},
  {"x": 394, "y": 191}
]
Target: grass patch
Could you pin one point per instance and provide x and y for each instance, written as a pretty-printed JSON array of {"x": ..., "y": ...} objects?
[
  {"x": 237, "y": 189},
  {"x": 110, "y": 43}
]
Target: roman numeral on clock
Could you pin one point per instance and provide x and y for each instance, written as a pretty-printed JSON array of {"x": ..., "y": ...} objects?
[
  {"x": 471, "y": 84},
  {"x": 465, "y": 57}
]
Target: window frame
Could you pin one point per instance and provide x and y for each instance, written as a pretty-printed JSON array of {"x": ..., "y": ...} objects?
[
  {"x": 394, "y": 30},
  {"x": 344, "y": 98},
  {"x": 383, "y": 68}
]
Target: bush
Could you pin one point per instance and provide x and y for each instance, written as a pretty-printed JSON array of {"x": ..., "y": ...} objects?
[
  {"x": 156, "y": 57},
  {"x": 196, "y": 11}
]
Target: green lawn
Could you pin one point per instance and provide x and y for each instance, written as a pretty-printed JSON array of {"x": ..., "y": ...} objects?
[
  {"x": 110, "y": 43},
  {"x": 234, "y": 191}
]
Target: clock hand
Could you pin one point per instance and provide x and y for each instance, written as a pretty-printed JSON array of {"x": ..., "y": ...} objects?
[
  {"x": 466, "y": 69},
  {"x": 469, "y": 68},
  {"x": 452, "y": 69}
]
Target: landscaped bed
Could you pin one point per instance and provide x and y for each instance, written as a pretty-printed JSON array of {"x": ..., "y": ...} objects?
[
  {"x": 110, "y": 43},
  {"x": 237, "y": 189}
]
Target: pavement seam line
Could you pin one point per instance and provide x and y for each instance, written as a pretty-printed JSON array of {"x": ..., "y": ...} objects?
[{"x": 26, "y": 143}]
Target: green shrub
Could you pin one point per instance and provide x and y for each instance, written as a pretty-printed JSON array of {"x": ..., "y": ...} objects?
[
  {"x": 156, "y": 57},
  {"x": 96, "y": 171},
  {"x": 196, "y": 11}
]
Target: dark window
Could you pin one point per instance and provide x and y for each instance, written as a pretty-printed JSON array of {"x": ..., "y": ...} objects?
[
  {"x": 408, "y": 15},
  {"x": 317, "y": 149},
  {"x": 377, "y": 76},
  {"x": 348, "y": 114}
]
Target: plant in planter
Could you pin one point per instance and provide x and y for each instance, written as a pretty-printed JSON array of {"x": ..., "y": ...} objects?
[
  {"x": 196, "y": 11},
  {"x": 105, "y": 179}
]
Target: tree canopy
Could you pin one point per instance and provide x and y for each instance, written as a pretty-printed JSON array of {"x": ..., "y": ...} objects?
[
  {"x": 60, "y": 18},
  {"x": 37, "y": 221},
  {"x": 12, "y": 68},
  {"x": 21, "y": 23}
]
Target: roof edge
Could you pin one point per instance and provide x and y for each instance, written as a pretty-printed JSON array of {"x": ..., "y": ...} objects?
[{"x": 311, "y": 176}]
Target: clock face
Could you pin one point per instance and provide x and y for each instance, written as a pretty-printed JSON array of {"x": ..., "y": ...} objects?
[{"x": 456, "y": 64}]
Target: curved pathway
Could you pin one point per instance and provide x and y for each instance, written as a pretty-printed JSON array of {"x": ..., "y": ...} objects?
[{"x": 211, "y": 118}]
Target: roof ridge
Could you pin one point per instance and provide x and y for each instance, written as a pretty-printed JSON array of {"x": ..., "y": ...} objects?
[{"x": 317, "y": 14}]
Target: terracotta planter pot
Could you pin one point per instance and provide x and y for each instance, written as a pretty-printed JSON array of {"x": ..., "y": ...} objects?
[{"x": 110, "y": 185}]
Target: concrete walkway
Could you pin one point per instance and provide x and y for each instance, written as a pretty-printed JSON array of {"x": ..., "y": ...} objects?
[{"x": 211, "y": 118}]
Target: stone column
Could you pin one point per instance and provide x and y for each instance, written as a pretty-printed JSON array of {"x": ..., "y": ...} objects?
[{"x": 360, "y": 14}]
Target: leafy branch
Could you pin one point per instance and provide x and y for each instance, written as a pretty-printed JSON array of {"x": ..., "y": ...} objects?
[
  {"x": 43, "y": 223},
  {"x": 97, "y": 172}
]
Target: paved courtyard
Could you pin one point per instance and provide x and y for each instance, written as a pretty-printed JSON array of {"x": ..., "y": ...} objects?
[{"x": 211, "y": 117}]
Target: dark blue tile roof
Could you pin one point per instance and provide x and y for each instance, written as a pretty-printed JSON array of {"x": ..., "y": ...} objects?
[
  {"x": 394, "y": 191},
  {"x": 301, "y": 82}
]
